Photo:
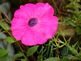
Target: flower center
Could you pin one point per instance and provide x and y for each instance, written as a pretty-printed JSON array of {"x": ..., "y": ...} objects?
[{"x": 32, "y": 22}]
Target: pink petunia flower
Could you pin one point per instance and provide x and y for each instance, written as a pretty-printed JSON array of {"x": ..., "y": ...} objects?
[{"x": 34, "y": 24}]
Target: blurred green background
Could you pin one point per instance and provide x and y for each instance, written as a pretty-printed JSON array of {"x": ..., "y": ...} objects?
[{"x": 65, "y": 46}]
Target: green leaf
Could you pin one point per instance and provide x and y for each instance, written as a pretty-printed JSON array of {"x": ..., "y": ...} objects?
[
  {"x": 4, "y": 25},
  {"x": 4, "y": 58},
  {"x": 10, "y": 40},
  {"x": 20, "y": 54},
  {"x": 72, "y": 49},
  {"x": 3, "y": 52},
  {"x": 2, "y": 35},
  {"x": 52, "y": 59},
  {"x": 73, "y": 58},
  {"x": 32, "y": 50},
  {"x": 24, "y": 60},
  {"x": 65, "y": 58}
]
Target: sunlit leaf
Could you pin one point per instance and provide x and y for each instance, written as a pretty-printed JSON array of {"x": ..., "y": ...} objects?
[{"x": 10, "y": 40}]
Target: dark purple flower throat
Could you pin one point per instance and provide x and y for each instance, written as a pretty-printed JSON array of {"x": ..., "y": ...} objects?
[{"x": 32, "y": 22}]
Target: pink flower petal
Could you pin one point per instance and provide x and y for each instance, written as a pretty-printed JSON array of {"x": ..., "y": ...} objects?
[
  {"x": 28, "y": 8},
  {"x": 39, "y": 37},
  {"x": 18, "y": 34},
  {"x": 47, "y": 26},
  {"x": 44, "y": 29},
  {"x": 20, "y": 14},
  {"x": 28, "y": 39},
  {"x": 43, "y": 9},
  {"x": 18, "y": 23}
]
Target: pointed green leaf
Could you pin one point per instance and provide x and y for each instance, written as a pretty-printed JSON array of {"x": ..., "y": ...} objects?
[
  {"x": 19, "y": 54},
  {"x": 32, "y": 50},
  {"x": 4, "y": 25},
  {"x": 10, "y": 40}
]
